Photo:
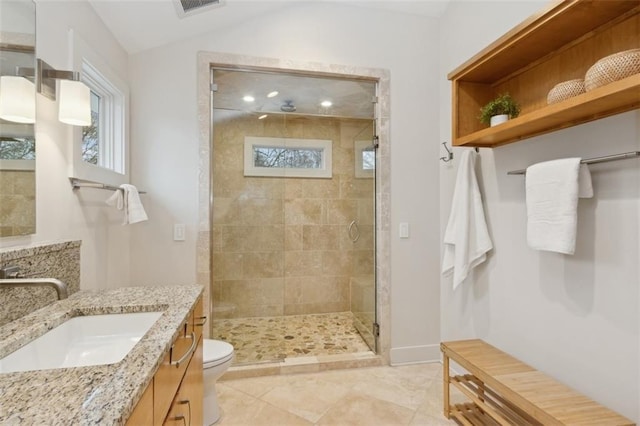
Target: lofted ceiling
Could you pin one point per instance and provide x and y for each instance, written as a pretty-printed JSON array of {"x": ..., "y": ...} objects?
[
  {"x": 144, "y": 24},
  {"x": 139, "y": 25}
]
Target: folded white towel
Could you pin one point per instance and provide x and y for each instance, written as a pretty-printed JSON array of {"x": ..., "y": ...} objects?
[
  {"x": 116, "y": 200},
  {"x": 552, "y": 191},
  {"x": 466, "y": 238},
  {"x": 128, "y": 199}
]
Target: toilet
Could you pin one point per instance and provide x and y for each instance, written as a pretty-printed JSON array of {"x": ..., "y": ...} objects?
[{"x": 216, "y": 359}]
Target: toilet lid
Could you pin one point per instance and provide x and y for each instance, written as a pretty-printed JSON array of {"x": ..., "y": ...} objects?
[{"x": 215, "y": 350}]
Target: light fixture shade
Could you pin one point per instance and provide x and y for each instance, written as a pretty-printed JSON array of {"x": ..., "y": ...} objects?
[
  {"x": 17, "y": 99},
  {"x": 74, "y": 103}
]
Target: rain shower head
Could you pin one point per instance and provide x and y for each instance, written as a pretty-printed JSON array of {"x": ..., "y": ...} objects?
[{"x": 288, "y": 106}]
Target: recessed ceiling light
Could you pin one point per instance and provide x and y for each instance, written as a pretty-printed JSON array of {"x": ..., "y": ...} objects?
[
  {"x": 326, "y": 104},
  {"x": 262, "y": 117},
  {"x": 272, "y": 94},
  {"x": 248, "y": 98}
]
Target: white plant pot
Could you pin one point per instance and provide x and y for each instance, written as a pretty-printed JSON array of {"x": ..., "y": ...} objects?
[{"x": 497, "y": 119}]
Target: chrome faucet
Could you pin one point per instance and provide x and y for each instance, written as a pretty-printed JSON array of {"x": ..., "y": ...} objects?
[{"x": 58, "y": 286}]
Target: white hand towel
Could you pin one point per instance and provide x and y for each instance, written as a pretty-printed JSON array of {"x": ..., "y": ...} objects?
[
  {"x": 552, "y": 191},
  {"x": 116, "y": 200},
  {"x": 133, "y": 208},
  {"x": 127, "y": 198},
  {"x": 466, "y": 238}
]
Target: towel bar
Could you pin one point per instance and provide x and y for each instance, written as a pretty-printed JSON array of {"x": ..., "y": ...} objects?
[
  {"x": 606, "y": 158},
  {"x": 79, "y": 183}
]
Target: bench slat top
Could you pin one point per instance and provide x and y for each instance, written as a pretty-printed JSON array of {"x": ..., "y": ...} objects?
[{"x": 544, "y": 398}]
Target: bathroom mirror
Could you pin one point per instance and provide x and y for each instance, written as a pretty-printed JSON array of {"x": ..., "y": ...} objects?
[{"x": 17, "y": 140}]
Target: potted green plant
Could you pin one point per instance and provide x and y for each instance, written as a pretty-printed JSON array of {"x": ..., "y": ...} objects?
[{"x": 499, "y": 110}]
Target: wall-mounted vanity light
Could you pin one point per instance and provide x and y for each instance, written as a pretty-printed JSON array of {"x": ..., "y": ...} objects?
[
  {"x": 17, "y": 99},
  {"x": 74, "y": 103}
]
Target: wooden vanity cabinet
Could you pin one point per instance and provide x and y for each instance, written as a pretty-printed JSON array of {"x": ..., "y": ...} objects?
[
  {"x": 175, "y": 394},
  {"x": 143, "y": 413}
]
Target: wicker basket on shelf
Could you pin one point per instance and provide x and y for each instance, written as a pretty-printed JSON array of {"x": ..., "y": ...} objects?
[
  {"x": 565, "y": 90},
  {"x": 613, "y": 68}
]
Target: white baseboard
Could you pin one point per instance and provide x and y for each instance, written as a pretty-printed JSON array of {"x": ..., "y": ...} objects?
[{"x": 415, "y": 354}]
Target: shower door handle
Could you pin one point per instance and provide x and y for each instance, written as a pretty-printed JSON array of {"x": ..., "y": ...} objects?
[{"x": 354, "y": 231}]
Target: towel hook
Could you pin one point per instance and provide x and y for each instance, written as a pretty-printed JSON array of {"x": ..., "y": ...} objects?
[{"x": 449, "y": 155}]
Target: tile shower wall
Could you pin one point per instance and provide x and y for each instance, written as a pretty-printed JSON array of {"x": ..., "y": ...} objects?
[
  {"x": 18, "y": 197},
  {"x": 280, "y": 245},
  {"x": 54, "y": 260}
]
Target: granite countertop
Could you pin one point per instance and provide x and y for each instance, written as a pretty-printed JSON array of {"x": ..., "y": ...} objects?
[{"x": 102, "y": 394}]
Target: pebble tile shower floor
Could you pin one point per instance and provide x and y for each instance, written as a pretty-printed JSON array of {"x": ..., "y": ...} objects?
[{"x": 269, "y": 339}]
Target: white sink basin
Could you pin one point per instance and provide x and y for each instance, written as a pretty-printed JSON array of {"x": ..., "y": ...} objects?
[{"x": 82, "y": 341}]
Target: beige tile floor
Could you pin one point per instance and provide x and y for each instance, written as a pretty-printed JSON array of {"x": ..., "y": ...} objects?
[{"x": 380, "y": 396}]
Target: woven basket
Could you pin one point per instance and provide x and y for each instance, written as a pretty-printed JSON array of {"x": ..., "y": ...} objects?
[
  {"x": 612, "y": 68},
  {"x": 565, "y": 90}
]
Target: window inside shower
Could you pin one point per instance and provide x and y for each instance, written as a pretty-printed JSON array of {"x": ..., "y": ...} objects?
[{"x": 293, "y": 214}]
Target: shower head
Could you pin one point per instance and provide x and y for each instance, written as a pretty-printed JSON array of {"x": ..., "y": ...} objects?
[{"x": 288, "y": 106}]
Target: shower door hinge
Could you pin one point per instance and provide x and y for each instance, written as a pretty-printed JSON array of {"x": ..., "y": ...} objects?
[
  {"x": 375, "y": 142},
  {"x": 214, "y": 87},
  {"x": 376, "y": 329},
  {"x": 374, "y": 100}
]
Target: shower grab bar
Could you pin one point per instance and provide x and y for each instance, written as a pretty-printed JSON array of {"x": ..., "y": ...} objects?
[{"x": 353, "y": 226}]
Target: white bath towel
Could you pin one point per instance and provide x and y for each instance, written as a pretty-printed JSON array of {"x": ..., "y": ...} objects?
[
  {"x": 552, "y": 191},
  {"x": 128, "y": 200},
  {"x": 466, "y": 238}
]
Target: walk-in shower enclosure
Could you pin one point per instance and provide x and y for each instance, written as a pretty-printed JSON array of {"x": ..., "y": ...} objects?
[{"x": 293, "y": 210}]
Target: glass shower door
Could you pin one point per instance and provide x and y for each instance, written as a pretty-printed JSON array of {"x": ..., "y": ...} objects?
[{"x": 361, "y": 233}]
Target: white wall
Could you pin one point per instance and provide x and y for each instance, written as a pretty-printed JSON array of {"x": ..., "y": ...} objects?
[
  {"x": 574, "y": 317},
  {"x": 165, "y": 143},
  {"x": 62, "y": 214}
]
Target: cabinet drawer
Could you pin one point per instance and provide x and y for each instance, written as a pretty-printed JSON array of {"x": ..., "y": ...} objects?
[
  {"x": 186, "y": 408},
  {"x": 170, "y": 373}
]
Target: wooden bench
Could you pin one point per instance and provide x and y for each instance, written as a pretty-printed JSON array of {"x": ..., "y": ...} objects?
[{"x": 505, "y": 391}]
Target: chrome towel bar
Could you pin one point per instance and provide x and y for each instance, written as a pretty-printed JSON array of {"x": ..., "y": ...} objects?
[
  {"x": 80, "y": 183},
  {"x": 605, "y": 159}
]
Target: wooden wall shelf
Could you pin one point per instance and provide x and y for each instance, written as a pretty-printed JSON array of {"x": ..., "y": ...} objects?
[{"x": 560, "y": 43}]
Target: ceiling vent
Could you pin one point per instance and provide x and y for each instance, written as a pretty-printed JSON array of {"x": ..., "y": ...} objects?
[{"x": 191, "y": 7}]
